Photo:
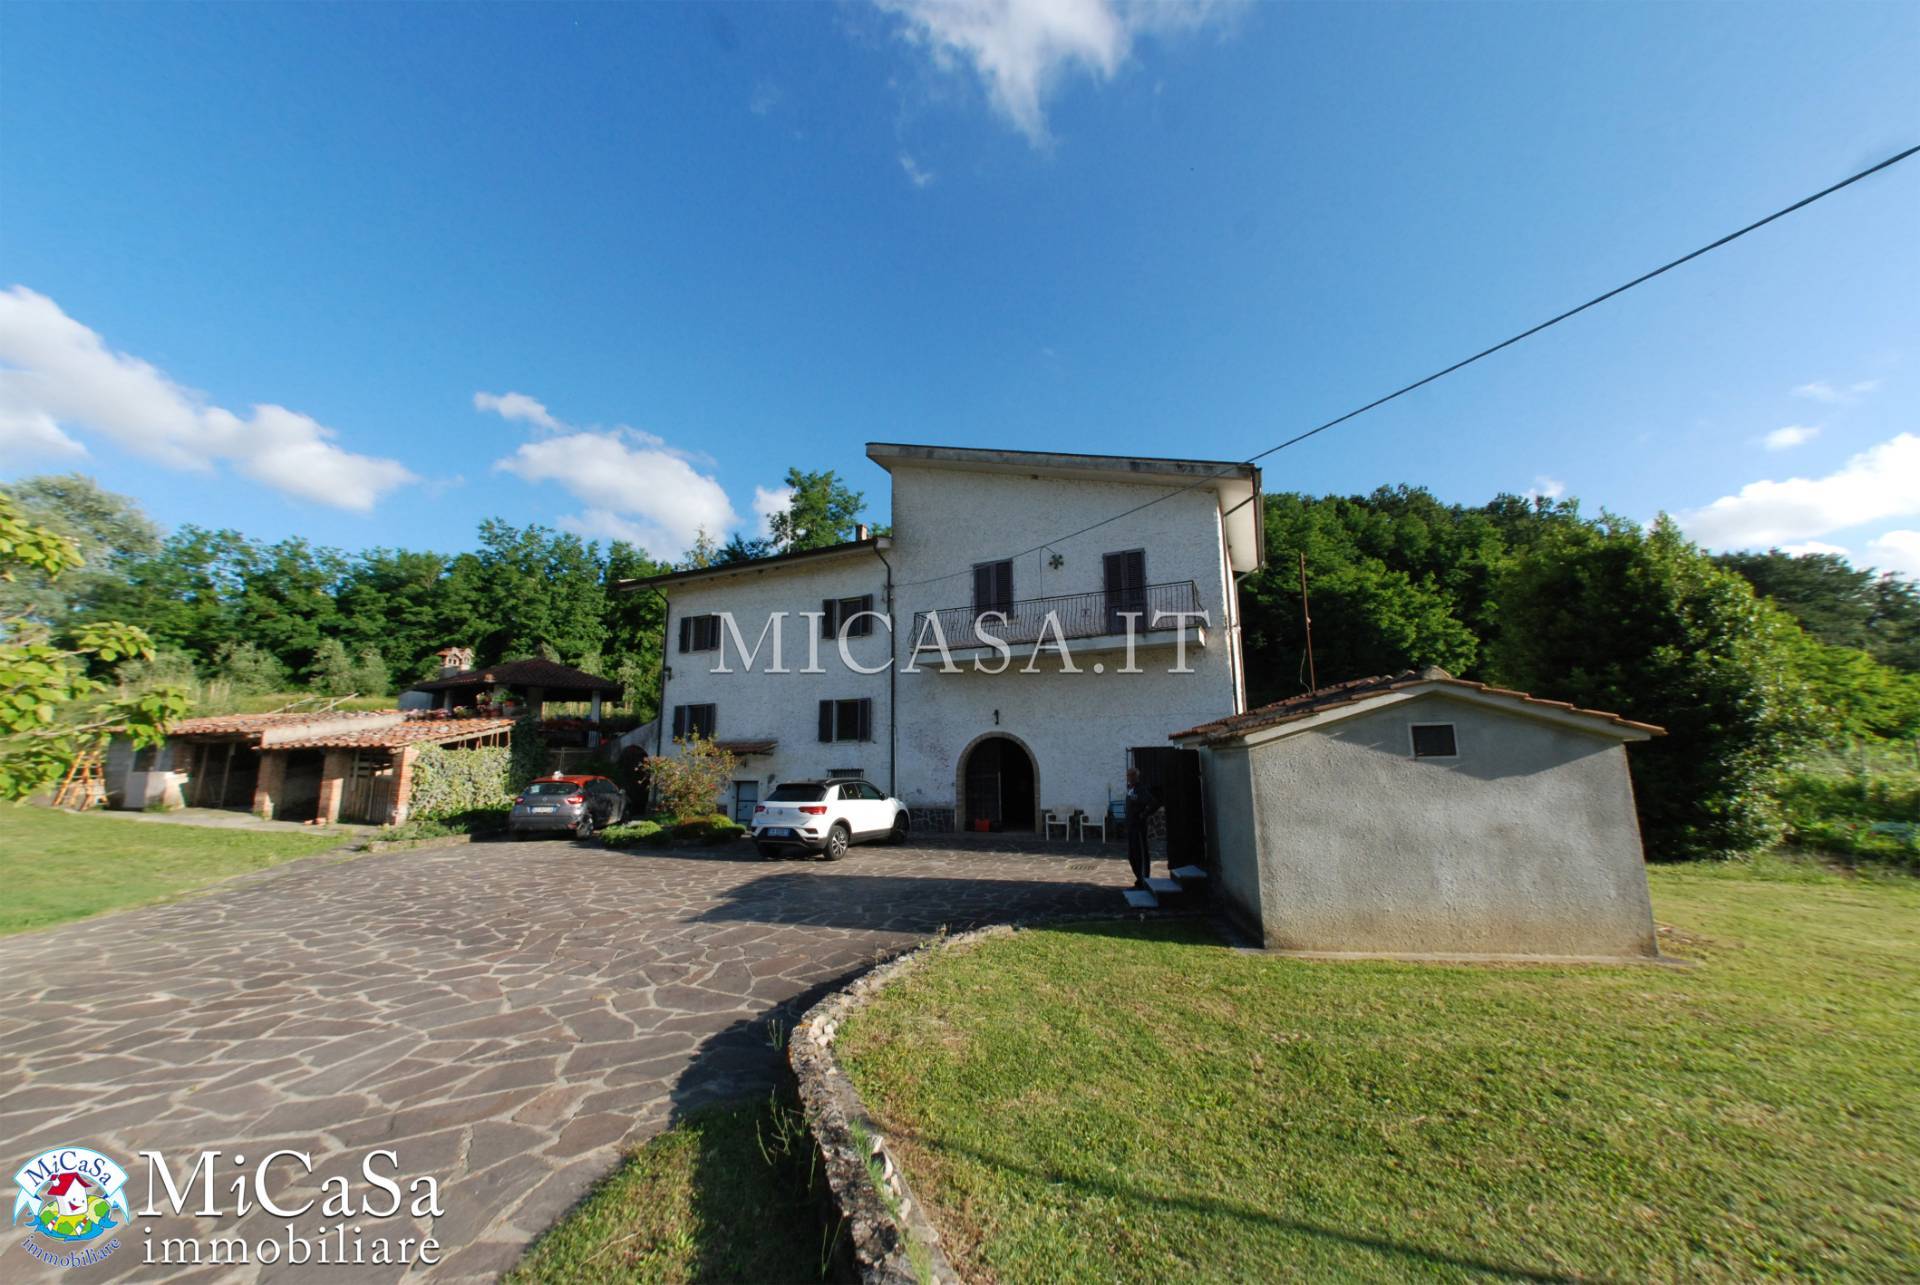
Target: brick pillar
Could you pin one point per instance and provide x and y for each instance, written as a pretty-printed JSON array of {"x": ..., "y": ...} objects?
[
  {"x": 333, "y": 783},
  {"x": 402, "y": 785},
  {"x": 272, "y": 780}
]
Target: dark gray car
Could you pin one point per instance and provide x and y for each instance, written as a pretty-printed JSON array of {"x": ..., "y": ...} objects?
[{"x": 573, "y": 804}]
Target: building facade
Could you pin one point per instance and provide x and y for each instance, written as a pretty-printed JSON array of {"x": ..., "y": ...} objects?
[
  {"x": 1420, "y": 814},
  {"x": 974, "y": 662}
]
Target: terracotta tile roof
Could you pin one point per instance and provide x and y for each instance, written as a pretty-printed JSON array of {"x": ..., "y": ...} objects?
[
  {"x": 747, "y": 747},
  {"x": 244, "y": 724},
  {"x": 412, "y": 732},
  {"x": 1363, "y": 689},
  {"x": 549, "y": 674}
]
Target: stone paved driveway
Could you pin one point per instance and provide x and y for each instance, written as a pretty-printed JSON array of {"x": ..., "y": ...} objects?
[{"x": 506, "y": 1017}]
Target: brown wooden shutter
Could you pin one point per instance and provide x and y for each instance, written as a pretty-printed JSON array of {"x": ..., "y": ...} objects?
[
  {"x": 829, "y": 617},
  {"x": 866, "y": 718},
  {"x": 686, "y": 633},
  {"x": 680, "y": 714},
  {"x": 826, "y": 720}
]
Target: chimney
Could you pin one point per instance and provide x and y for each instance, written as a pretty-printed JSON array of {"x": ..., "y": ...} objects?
[
  {"x": 861, "y": 531},
  {"x": 454, "y": 660}
]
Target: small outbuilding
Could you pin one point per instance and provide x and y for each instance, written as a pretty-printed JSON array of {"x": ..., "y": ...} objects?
[
  {"x": 290, "y": 766},
  {"x": 1420, "y": 814}
]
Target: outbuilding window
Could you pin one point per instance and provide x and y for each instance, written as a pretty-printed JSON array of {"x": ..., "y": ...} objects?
[{"x": 1434, "y": 741}]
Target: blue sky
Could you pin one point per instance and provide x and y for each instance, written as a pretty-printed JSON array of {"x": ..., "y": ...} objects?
[{"x": 262, "y": 259}]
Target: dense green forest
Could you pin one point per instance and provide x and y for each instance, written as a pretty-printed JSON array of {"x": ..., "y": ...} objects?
[{"x": 1751, "y": 661}]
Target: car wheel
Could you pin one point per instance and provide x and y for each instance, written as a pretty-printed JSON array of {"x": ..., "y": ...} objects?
[
  {"x": 837, "y": 840},
  {"x": 585, "y": 829},
  {"x": 899, "y": 832}
]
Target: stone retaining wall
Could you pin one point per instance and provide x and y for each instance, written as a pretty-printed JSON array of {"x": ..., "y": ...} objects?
[{"x": 892, "y": 1240}]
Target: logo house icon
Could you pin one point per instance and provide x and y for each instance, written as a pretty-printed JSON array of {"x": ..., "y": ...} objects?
[{"x": 71, "y": 1193}]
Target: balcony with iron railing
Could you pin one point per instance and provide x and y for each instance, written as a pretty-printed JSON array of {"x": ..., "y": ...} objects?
[{"x": 1159, "y": 613}]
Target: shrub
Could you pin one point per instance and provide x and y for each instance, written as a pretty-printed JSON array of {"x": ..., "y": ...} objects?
[
  {"x": 689, "y": 782},
  {"x": 448, "y": 782},
  {"x": 1873, "y": 816},
  {"x": 708, "y": 831},
  {"x": 631, "y": 833}
]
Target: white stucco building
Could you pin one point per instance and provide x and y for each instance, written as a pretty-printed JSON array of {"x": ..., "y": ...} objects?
[{"x": 1071, "y": 556}]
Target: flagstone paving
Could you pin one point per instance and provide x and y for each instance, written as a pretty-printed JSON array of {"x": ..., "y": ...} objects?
[{"x": 505, "y": 1017}]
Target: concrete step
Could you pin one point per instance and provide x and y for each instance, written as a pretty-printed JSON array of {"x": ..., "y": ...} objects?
[
  {"x": 1162, "y": 887},
  {"x": 1140, "y": 899},
  {"x": 1190, "y": 874}
]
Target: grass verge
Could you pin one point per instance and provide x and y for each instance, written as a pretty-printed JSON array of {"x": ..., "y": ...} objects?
[
  {"x": 726, "y": 1195},
  {"x": 58, "y": 866},
  {"x": 1136, "y": 1102}
]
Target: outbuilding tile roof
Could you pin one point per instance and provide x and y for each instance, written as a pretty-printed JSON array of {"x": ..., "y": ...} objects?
[
  {"x": 243, "y": 724},
  {"x": 548, "y": 674},
  {"x": 1358, "y": 690},
  {"x": 414, "y": 731}
]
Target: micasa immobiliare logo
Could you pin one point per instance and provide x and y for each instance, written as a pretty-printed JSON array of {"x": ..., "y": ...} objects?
[{"x": 74, "y": 1198}]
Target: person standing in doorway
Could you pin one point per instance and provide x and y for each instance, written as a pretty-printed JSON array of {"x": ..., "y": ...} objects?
[{"x": 1139, "y": 808}]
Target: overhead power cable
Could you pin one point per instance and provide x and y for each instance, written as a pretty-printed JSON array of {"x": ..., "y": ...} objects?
[{"x": 1442, "y": 373}]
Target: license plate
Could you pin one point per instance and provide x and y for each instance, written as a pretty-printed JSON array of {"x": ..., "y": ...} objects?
[
  {"x": 777, "y": 832},
  {"x": 543, "y": 809}
]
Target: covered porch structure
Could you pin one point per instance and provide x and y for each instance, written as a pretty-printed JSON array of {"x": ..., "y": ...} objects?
[{"x": 528, "y": 685}]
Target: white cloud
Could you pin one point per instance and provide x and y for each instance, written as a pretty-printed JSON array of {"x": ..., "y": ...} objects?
[
  {"x": 1785, "y": 439},
  {"x": 56, "y": 374},
  {"x": 1020, "y": 49},
  {"x": 1822, "y": 391},
  {"x": 1546, "y": 488},
  {"x": 1897, "y": 551},
  {"x": 766, "y": 96},
  {"x": 517, "y": 406},
  {"x": 635, "y": 487},
  {"x": 915, "y": 175},
  {"x": 1806, "y": 547},
  {"x": 769, "y": 500},
  {"x": 26, "y": 433},
  {"x": 1877, "y": 484}
]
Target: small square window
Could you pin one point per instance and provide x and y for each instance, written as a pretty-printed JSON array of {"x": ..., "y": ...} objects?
[{"x": 1434, "y": 741}]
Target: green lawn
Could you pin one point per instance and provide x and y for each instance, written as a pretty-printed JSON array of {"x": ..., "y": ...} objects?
[
  {"x": 57, "y": 866},
  {"x": 1136, "y": 1102},
  {"x": 727, "y": 1195}
]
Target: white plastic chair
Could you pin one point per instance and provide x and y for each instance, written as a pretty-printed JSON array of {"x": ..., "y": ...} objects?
[
  {"x": 1056, "y": 817},
  {"x": 1090, "y": 821}
]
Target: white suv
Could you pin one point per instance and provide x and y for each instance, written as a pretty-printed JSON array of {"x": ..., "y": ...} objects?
[{"x": 826, "y": 817}]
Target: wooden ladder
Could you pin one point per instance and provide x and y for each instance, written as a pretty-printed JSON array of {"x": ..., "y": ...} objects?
[{"x": 85, "y": 785}]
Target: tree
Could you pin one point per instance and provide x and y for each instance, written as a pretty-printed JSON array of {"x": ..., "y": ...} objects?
[
  {"x": 250, "y": 670},
  {"x": 1644, "y": 624},
  {"x": 635, "y": 619},
  {"x": 108, "y": 529},
  {"x": 331, "y": 672},
  {"x": 1837, "y": 604},
  {"x": 822, "y": 511},
  {"x": 370, "y": 676},
  {"x": 52, "y": 706}
]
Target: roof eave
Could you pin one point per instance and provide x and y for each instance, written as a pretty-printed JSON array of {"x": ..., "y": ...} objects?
[{"x": 747, "y": 566}]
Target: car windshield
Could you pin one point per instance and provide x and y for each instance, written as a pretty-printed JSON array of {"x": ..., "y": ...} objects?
[
  {"x": 553, "y": 787},
  {"x": 797, "y": 794}
]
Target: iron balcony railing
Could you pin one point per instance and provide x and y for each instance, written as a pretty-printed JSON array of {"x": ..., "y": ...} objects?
[{"x": 1075, "y": 615}]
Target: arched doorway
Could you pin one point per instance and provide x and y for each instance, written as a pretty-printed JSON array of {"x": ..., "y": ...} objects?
[{"x": 997, "y": 784}]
